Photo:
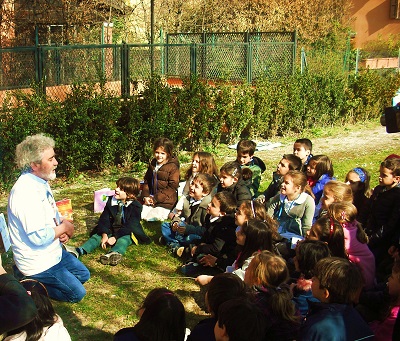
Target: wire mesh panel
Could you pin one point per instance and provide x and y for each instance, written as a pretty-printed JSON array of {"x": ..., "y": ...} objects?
[
  {"x": 224, "y": 61},
  {"x": 17, "y": 68},
  {"x": 178, "y": 61},
  {"x": 271, "y": 60},
  {"x": 67, "y": 65}
]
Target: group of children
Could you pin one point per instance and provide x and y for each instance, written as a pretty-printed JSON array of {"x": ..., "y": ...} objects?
[{"x": 284, "y": 265}]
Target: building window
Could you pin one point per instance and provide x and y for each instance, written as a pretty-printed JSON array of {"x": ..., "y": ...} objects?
[{"x": 394, "y": 9}]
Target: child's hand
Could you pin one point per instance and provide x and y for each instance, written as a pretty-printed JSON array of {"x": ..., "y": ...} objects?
[
  {"x": 104, "y": 239},
  {"x": 148, "y": 201},
  {"x": 208, "y": 260},
  {"x": 63, "y": 238},
  {"x": 181, "y": 229},
  {"x": 111, "y": 241},
  {"x": 175, "y": 227},
  {"x": 193, "y": 250}
]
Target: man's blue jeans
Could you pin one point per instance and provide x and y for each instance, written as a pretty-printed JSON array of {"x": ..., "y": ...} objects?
[{"x": 64, "y": 280}]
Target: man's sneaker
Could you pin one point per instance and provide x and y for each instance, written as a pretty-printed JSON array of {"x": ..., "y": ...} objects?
[
  {"x": 162, "y": 240},
  {"x": 111, "y": 258},
  {"x": 72, "y": 250}
]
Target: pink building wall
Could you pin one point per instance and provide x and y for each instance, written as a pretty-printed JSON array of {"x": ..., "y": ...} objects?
[{"x": 372, "y": 20}]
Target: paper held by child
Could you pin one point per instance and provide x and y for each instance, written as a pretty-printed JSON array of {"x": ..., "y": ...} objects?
[
  {"x": 266, "y": 145},
  {"x": 100, "y": 199}
]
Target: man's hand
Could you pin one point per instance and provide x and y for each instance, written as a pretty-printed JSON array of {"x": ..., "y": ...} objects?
[{"x": 63, "y": 238}]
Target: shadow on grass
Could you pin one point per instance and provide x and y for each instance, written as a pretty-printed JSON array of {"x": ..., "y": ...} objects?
[{"x": 74, "y": 325}]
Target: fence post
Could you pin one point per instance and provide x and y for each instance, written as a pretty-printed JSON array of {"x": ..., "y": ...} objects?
[
  {"x": 357, "y": 60},
  {"x": 249, "y": 62},
  {"x": 125, "y": 81},
  {"x": 39, "y": 61},
  {"x": 193, "y": 60},
  {"x": 303, "y": 61}
]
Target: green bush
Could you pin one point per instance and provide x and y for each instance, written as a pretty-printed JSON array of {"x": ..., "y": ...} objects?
[{"x": 95, "y": 130}]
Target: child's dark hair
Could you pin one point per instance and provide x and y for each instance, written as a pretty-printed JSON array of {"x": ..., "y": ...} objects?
[
  {"x": 307, "y": 144},
  {"x": 331, "y": 232},
  {"x": 207, "y": 181},
  {"x": 246, "y": 147},
  {"x": 294, "y": 161},
  {"x": 341, "y": 278},
  {"x": 271, "y": 272},
  {"x": 365, "y": 179},
  {"x": 206, "y": 165},
  {"x": 242, "y": 320},
  {"x": 224, "y": 287},
  {"x": 247, "y": 173},
  {"x": 232, "y": 169},
  {"x": 344, "y": 213},
  {"x": 226, "y": 201},
  {"x": 164, "y": 143},
  {"x": 393, "y": 165},
  {"x": 130, "y": 186},
  {"x": 163, "y": 317},
  {"x": 46, "y": 315},
  {"x": 308, "y": 253},
  {"x": 323, "y": 166},
  {"x": 300, "y": 179},
  {"x": 258, "y": 237}
]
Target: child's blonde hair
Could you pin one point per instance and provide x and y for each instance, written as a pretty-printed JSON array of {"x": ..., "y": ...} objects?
[
  {"x": 206, "y": 165},
  {"x": 344, "y": 213},
  {"x": 339, "y": 190},
  {"x": 271, "y": 272}
]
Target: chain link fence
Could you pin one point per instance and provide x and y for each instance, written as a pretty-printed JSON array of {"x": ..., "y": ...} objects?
[{"x": 120, "y": 68}]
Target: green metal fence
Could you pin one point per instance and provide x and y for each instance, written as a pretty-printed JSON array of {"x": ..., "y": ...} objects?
[{"x": 119, "y": 67}]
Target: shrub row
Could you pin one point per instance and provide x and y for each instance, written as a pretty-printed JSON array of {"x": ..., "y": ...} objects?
[{"x": 95, "y": 130}]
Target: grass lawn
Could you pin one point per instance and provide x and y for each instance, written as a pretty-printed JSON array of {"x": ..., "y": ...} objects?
[{"x": 115, "y": 293}]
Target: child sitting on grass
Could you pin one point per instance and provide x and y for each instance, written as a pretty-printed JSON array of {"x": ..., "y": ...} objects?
[
  {"x": 384, "y": 211},
  {"x": 337, "y": 284},
  {"x": 223, "y": 287},
  {"x": 162, "y": 317},
  {"x": 245, "y": 157},
  {"x": 47, "y": 325},
  {"x": 254, "y": 235},
  {"x": 384, "y": 328},
  {"x": 239, "y": 319},
  {"x": 186, "y": 226},
  {"x": 287, "y": 163},
  {"x": 202, "y": 162},
  {"x": 319, "y": 172},
  {"x": 268, "y": 274},
  {"x": 218, "y": 240},
  {"x": 308, "y": 253},
  {"x": 161, "y": 182},
  {"x": 355, "y": 240},
  {"x": 231, "y": 181},
  {"x": 302, "y": 148},
  {"x": 119, "y": 224},
  {"x": 358, "y": 179}
]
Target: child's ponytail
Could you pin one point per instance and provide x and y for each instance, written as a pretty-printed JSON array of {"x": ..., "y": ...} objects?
[{"x": 345, "y": 213}]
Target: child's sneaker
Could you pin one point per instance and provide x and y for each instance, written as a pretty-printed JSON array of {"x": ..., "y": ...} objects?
[
  {"x": 72, "y": 250},
  {"x": 180, "y": 251},
  {"x": 111, "y": 258},
  {"x": 162, "y": 240},
  {"x": 190, "y": 269}
]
